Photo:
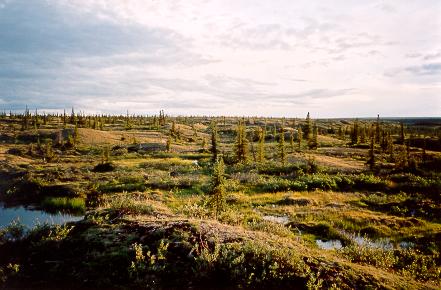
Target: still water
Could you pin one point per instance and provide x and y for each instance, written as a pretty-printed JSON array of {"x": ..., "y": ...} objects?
[{"x": 30, "y": 217}]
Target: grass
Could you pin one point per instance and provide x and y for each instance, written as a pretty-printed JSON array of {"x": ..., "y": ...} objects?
[{"x": 55, "y": 204}]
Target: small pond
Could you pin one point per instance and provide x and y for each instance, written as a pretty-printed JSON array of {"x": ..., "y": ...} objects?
[
  {"x": 30, "y": 217},
  {"x": 385, "y": 244},
  {"x": 283, "y": 220},
  {"x": 329, "y": 244}
]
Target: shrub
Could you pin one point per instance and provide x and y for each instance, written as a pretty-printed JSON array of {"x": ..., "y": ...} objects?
[{"x": 104, "y": 167}]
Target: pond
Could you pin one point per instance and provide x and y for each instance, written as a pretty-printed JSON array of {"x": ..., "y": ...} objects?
[
  {"x": 276, "y": 219},
  {"x": 329, "y": 244},
  {"x": 29, "y": 216},
  {"x": 385, "y": 244}
]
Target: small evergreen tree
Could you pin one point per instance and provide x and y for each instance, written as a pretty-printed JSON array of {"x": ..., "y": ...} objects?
[
  {"x": 168, "y": 144},
  {"x": 291, "y": 140},
  {"x": 75, "y": 135},
  {"x": 363, "y": 135},
  {"x": 307, "y": 128},
  {"x": 241, "y": 145},
  {"x": 105, "y": 157},
  {"x": 48, "y": 153},
  {"x": 354, "y": 133},
  {"x": 299, "y": 137},
  {"x": 402, "y": 135},
  {"x": 214, "y": 141},
  {"x": 217, "y": 199},
  {"x": 312, "y": 142},
  {"x": 371, "y": 155},
  {"x": 377, "y": 130},
  {"x": 261, "y": 148},
  {"x": 204, "y": 144},
  {"x": 282, "y": 151}
]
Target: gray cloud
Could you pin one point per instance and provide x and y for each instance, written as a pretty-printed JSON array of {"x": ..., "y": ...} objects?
[
  {"x": 103, "y": 56},
  {"x": 425, "y": 69}
]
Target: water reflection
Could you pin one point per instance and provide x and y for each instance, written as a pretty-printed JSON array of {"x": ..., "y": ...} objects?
[{"x": 30, "y": 216}]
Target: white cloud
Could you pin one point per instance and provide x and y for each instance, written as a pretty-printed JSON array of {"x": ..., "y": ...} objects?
[{"x": 222, "y": 56}]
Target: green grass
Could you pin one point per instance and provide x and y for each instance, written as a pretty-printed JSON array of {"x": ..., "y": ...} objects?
[{"x": 75, "y": 205}]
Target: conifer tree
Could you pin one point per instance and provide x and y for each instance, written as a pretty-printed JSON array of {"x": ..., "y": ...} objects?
[
  {"x": 204, "y": 144},
  {"x": 48, "y": 153},
  {"x": 341, "y": 132},
  {"x": 173, "y": 128},
  {"x": 241, "y": 146},
  {"x": 299, "y": 137},
  {"x": 363, "y": 135},
  {"x": 214, "y": 141},
  {"x": 261, "y": 148},
  {"x": 312, "y": 142},
  {"x": 390, "y": 143},
  {"x": 168, "y": 144},
  {"x": 291, "y": 140},
  {"x": 371, "y": 155},
  {"x": 377, "y": 130},
  {"x": 105, "y": 158},
  {"x": 36, "y": 121},
  {"x": 72, "y": 117},
  {"x": 76, "y": 136},
  {"x": 282, "y": 151},
  {"x": 307, "y": 128},
  {"x": 275, "y": 132},
  {"x": 217, "y": 200},
  {"x": 402, "y": 136},
  {"x": 25, "y": 124},
  {"x": 354, "y": 133}
]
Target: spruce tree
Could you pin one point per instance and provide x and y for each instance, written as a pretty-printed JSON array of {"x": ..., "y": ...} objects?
[
  {"x": 363, "y": 135},
  {"x": 377, "y": 130},
  {"x": 204, "y": 144},
  {"x": 402, "y": 135},
  {"x": 282, "y": 151},
  {"x": 168, "y": 144},
  {"x": 48, "y": 154},
  {"x": 354, "y": 133},
  {"x": 371, "y": 155},
  {"x": 291, "y": 140},
  {"x": 214, "y": 141},
  {"x": 424, "y": 154},
  {"x": 75, "y": 136},
  {"x": 217, "y": 200},
  {"x": 105, "y": 158},
  {"x": 299, "y": 137},
  {"x": 261, "y": 148},
  {"x": 241, "y": 146},
  {"x": 72, "y": 117},
  {"x": 307, "y": 128},
  {"x": 312, "y": 142}
]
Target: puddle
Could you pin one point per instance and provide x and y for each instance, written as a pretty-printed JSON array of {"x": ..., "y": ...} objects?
[
  {"x": 384, "y": 244},
  {"x": 329, "y": 245},
  {"x": 406, "y": 245},
  {"x": 283, "y": 220},
  {"x": 29, "y": 216}
]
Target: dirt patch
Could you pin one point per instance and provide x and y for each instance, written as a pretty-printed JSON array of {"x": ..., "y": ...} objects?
[{"x": 346, "y": 165}]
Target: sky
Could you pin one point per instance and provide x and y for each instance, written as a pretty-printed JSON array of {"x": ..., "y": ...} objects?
[{"x": 340, "y": 58}]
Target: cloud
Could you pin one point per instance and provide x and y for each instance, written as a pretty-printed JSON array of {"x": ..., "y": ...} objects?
[
  {"x": 218, "y": 57},
  {"x": 425, "y": 69}
]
